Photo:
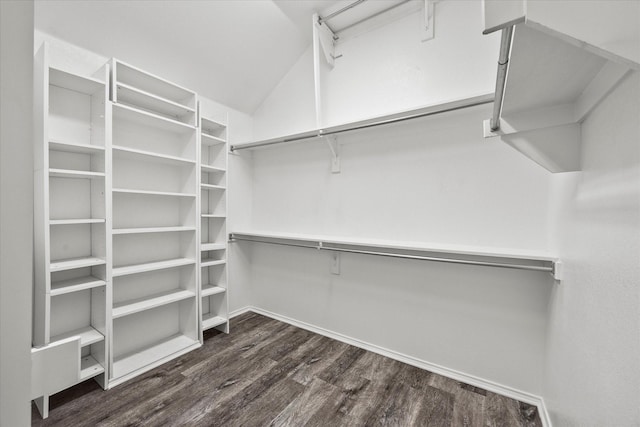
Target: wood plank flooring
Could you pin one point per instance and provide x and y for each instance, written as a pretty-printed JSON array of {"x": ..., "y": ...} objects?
[{"x": 269, "y": 373}]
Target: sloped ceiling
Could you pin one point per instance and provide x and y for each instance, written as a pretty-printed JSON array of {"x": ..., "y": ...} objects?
[{"x": 231, "y": 51}]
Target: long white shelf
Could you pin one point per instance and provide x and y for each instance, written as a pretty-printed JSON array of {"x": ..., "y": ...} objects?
[
  {"x": 141, "y": 304},
  {"x": 151, "y": 193},
  {"x": 211, "y": 262},
  {"x": 74, "y": 82},
  {"x": 71, "y": 147},
  {"x": 68, "y": 173},
  {"x": 140, "y": 98},
  {"x": 212, "y": 187},
  {"x": 461, "y": 254},
  {"x": 151, "y": 266},
  {"x": 145, "y": 118},
  {"x": 71, "y": 263},
  {"x": 207, "y": 168},
  {"x": 76, "y": 221},
  {"x": 141, "y": 230},
  {"x": 89, "y": 368},
  {"x": 209, "y": 140},
  {"x": 211, "y": 321},
  {"x": 88, "y": 335},
  {"x": 143, "y": 155},
  {"x": 215, "y": 216},
  {"x": 212, "y": 246},
  {"x": 75, "y": 285},
  {"x": 208, "y": 290},
  {"x": 144, "y": 357}
]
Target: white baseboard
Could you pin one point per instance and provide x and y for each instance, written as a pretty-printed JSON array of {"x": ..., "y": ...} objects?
[{"x": 422, "y": 364}]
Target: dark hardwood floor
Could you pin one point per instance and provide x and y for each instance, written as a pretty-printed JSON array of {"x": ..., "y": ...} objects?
[{"x": 269, "y": 373}]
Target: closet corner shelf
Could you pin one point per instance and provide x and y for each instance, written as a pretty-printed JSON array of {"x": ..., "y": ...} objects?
[
  {"x": 138, "y": 97},
  {"x": 207, "y": 168},
  {"x": 77, "y": 221},
  {"x": 208, "y": 290},
  {"x": 72, "y": 263},
  {"x": 145, "y": 118},
  {"x": 151, "y": 266},
  {"x": 211, "y": 321},
  {"x": 209, "y": 140},
  {"x": 151, "y": 192},
  {"x": 211, "y": 262},
  {"x": 214, "y": 216},
  {"x": 212, "y": 187},
  {"x": 141, "y": 230},
  {"x": 212, "y": 246},
  {"x": 458, "y": 254},
  {"x": 75, "y": 285},
  {"x": 68, "y": 173},
  {"x": 88, "y": 335},
  {"x": 143, "y": 155},
  {"x": 387, "y": 119},
  {"x": 74, "y": 82},
  {"x": 141, "y": 304},
  {"x": 71, "y": 147},
  {"x": 89, "y": 368}
]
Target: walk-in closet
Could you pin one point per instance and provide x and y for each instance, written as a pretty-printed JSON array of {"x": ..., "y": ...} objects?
[{"x": 320, "y": 213}]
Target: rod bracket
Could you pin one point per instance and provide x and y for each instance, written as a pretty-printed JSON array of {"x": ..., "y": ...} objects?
[
  {"x": 335, "y": 263},
  {"x": 332, "y": 143}
]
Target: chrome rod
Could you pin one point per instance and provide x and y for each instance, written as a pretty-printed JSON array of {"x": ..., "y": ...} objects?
[
  {"x": 501, "y": 79},
  {"x": 338, "y": 12},
  {"x": 380, "y": 121}
]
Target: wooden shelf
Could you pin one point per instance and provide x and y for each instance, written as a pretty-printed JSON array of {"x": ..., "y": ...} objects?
[
  {"x": 145, "y": 118},
  {"x": 88, "y": 335},
  {"x": 211, "y": 262},
  {"x": 211, "y": 321},
  {"x": 209, "y": 140},
  {"x": 76, "y": 221},
  {"x": 141, "y": 358},
  {"x": 74, "y": 82},
  {"x": 70, "y": 147},
  {"x": 142, "y": 230},
  {"x": 139, "y": 98},
  {"x": 212, "y": 187},
  {"x": 141, "y": 304},
  {"x": 75, "y": 285},
  {"x": 68, "y": 173},
  {"x": 89, "y": 368},
  {"x": 145, "y": 156},
  {"x": 72, "y": 263},
  {"x": 212, "y": 246},
  {"x": 208, "y": 290},
  {"x": 151, "y": 193},
  {"x": 151, "y": 266},
  {"x": 207, "y": 168}
]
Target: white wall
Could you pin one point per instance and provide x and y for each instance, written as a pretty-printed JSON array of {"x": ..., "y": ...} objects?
[
  {"x": 593, "y": 358},
  {"x": 16, "y": 210}
]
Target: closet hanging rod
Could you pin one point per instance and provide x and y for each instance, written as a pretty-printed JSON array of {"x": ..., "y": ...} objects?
[
  {"x": 501, "y": 78},
  {"x": 340, "y": 11},
  {"x": 388, "y": 252},
  {"x": 373, "y": 122}
]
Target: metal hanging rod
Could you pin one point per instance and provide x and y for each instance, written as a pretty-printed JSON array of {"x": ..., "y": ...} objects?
[
  {"x": 501, "y": 79},
  {"x": 549, "y": 265},
  {"x": 338, "y": 12},
  {"x": 370, "y": 123}
]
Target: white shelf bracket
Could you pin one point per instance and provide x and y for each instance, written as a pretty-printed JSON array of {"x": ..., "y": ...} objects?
[
  {"x": 335, "y": 263},
  {"x": 332, "y": 142},
  {"x": 327, "y": 40},
  {"x": 428, "y": 14},
  {"x": 558, "y": 270}
]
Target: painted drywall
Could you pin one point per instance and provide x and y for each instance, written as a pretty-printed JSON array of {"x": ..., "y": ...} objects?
[
  {"x": 16, "y": 210},
  {"x": 593, "y": 369},
  {"x": 430, "y": 180}
]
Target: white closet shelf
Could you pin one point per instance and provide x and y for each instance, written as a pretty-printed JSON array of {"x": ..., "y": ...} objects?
[
  {"x": 88, "y": 335},
  {"x": 71, "y": 147},
  {"x": 211, "y": 321},
  {"x": 72, "y": 263},
  {"x": 141, "y": 304},
  {"x": 209, "y": 140},
  {"x": 151, "y": 193},
  {"x": 460, "y": 254},
  {"x": 145, "y": 118},
  {"x": 69, "y": 173},
  {"x": 212, "y": 187},
  {"x": 74, "y": 82},
  {"x": 144, "y": 357},
  {"x": 214, "y": 216},
  {"x": 137, "y": 97},
  {"x": 208, "y": 290},
  {"x": 76, "y": 221},
  {"x": 142, "y": 230},
  {"x": 142, "y": 155},
  {"x": 207, "y": 168},
  {"x": 151, "y": 266},
  {"x": 89, "y": 368},
  {"x": 211, "y": 262},
  {"x": 74, "y": 285},
  {"x": 212, "y": 246}
]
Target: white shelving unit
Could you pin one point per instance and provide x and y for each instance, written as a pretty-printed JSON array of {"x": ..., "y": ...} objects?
[
  {"x": 213, "y": 225},
  {"x": 72, "y": 280},
  {"x": 154, "y": 310}
]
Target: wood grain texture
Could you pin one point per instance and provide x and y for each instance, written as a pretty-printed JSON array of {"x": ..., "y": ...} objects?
[{"x": 268, "y": 373}]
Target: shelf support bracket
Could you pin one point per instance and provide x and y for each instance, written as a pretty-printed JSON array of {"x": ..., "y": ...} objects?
[
  {"x": 332, "y": 143},
  {"x": 326, "y": 40},
  {"x": 335, "y": 263},
  {"x": 428, "y": 17}
]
